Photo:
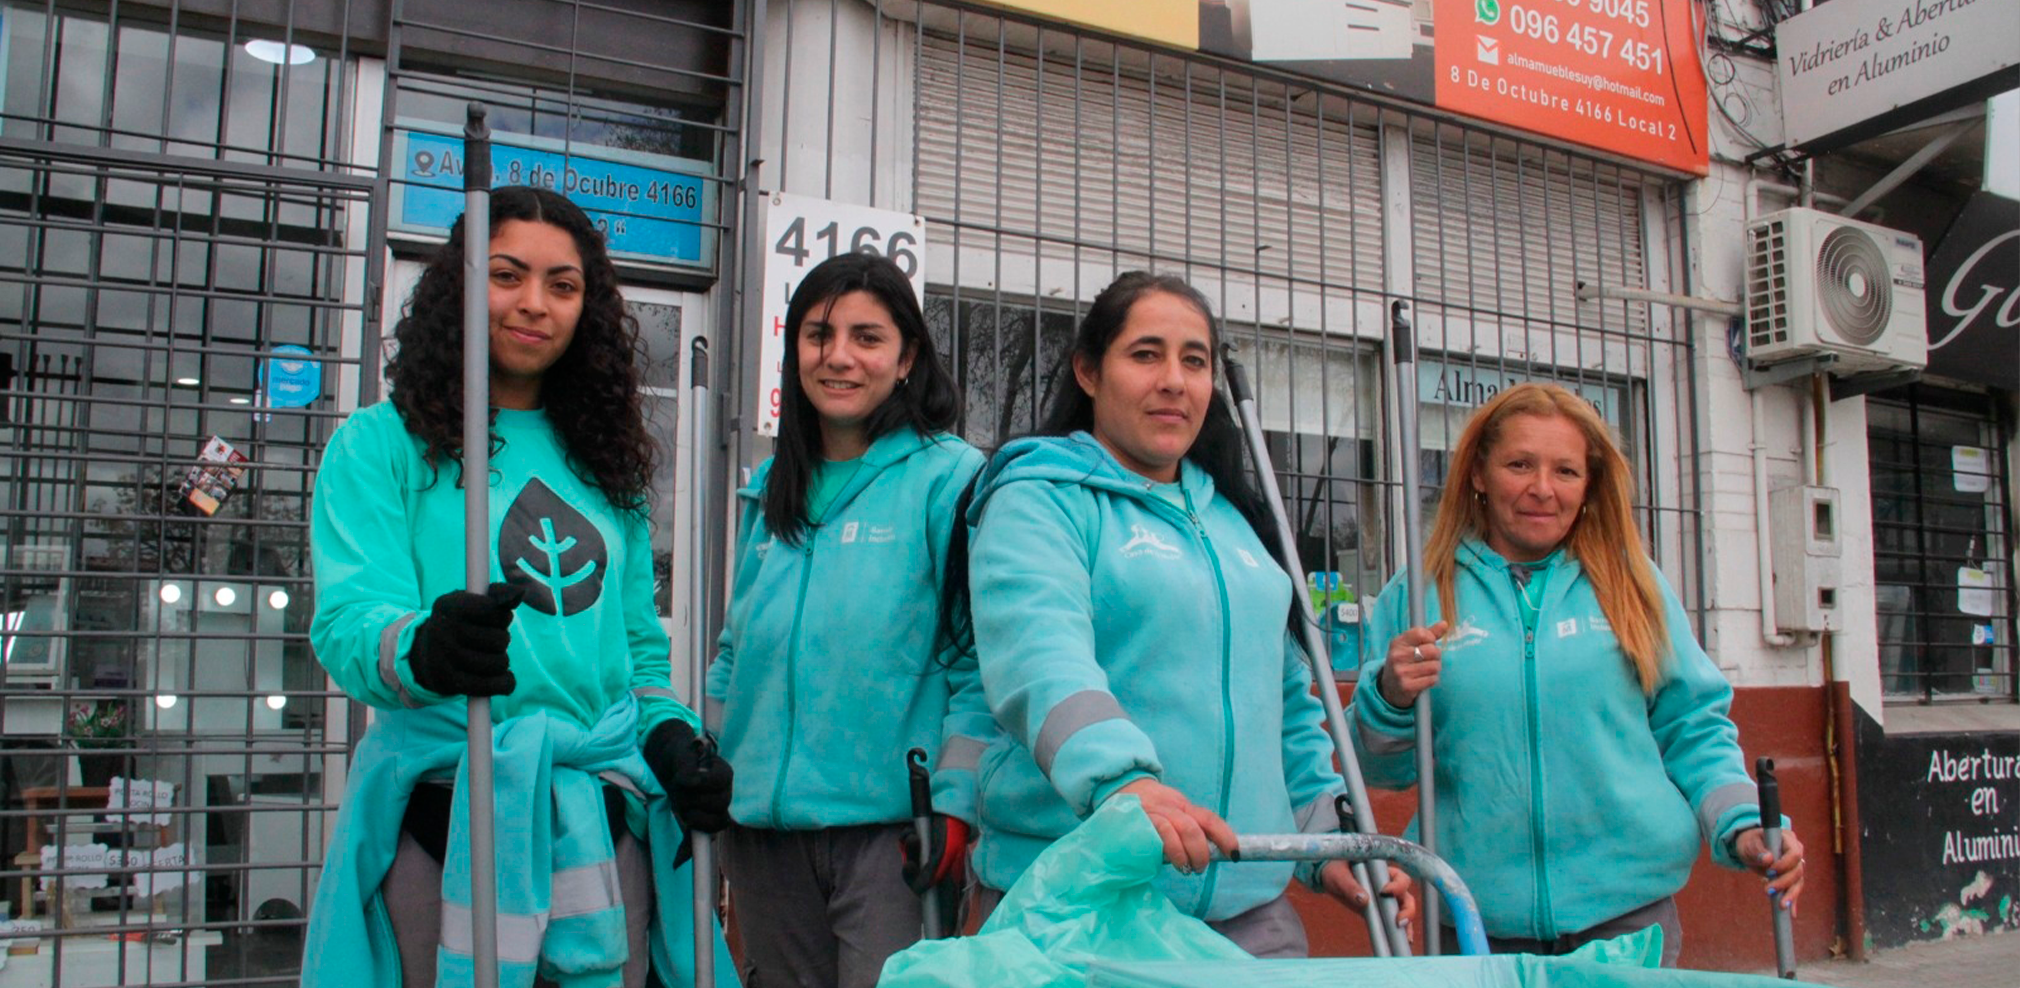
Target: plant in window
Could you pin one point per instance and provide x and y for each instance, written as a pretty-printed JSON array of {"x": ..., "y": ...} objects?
[{"x": 97, "y": 723}]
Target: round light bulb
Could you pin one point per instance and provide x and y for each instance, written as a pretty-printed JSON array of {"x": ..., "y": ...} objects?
[
  {"x": 225, "y": 596},
  {"x": 278, "y": 600},
  {"x": 170, "y": 593},
  {"x": 165, "y": 700},
  {"x": 280, "y": 53},
  {"x": 276, "y": 701}
]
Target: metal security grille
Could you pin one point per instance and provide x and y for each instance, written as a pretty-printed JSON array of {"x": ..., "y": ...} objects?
[
  {"x": 1941, "y": 545},
  {"x": 1048, "y": 160},
  {"x": 174, "y": 213},
  {"x": 194, "y": 237}
]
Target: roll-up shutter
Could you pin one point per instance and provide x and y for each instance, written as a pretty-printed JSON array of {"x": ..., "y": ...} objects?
[
  {"x": 1183, "y": 166},
  {"x": 1505, "y": 230}
]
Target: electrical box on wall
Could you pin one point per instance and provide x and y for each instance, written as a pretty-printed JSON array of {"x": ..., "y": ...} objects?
[{"x": 1807, "y": 545}]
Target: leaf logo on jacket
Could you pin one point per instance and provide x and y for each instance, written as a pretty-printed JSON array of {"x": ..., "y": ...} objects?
[
  {"x": 553, "y": 551},
  {"x": 1144, "y": 541}
]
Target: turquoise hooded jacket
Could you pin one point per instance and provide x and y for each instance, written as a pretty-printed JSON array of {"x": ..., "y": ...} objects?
[
  {"x": 833, "y": 663},
  {"x": 1566, "y": 796},
  {"x": 1123, "y": 636},
  {"x": 560, "y": 915}
]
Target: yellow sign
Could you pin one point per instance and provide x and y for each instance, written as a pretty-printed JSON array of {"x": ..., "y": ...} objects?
[{"x": 1167, "y": 22}]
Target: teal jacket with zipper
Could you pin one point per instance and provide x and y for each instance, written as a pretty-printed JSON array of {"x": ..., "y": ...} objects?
[
  {"x": 1566, "y": 796},
  {"x": 1123, "y": 636},
  {"x": 833, "y": 661}
]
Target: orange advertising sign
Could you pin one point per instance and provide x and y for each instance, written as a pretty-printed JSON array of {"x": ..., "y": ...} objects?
[{"x": 1619, "y": 75}]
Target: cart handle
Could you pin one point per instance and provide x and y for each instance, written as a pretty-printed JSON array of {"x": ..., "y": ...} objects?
[{"x": 1412, "y": 857}]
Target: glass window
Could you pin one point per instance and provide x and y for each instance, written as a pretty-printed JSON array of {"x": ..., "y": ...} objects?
[{"x": 1945, "y": 596}]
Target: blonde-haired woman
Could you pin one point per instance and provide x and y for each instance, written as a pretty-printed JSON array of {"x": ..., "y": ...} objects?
[{"x": 1583, "y": 744}]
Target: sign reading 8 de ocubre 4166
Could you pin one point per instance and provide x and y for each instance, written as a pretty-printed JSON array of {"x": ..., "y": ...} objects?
[
  {"x": 1621, "y": 75},
  {"x": 801, "y": 232}
]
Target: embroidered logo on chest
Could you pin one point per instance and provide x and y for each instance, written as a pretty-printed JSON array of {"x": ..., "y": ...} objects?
[
  {"x": 1246, "y": 558},
  {"x": 1467, "y": 633},
  {"x": 1143, "y": 541}
]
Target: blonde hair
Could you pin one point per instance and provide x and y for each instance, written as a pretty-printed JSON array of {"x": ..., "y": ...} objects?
[{"x": 1603, "y": 538}]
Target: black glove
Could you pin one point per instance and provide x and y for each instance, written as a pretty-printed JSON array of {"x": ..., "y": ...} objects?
[
  {"x": 460, "y": 649},
  {"x": 696, "y": 779}
]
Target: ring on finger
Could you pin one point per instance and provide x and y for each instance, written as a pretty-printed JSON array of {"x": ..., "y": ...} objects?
[{"x": 1416, "y": 653}]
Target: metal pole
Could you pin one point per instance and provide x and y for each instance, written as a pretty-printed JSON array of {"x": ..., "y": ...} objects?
[
  {"x": 477, "y": 523},
  {"x": 1771, "y": 831},
  {"x": 1432, "y": 869},
  {"x": 922, "y": 825},
  {"x": 1403, "y": 350},
  {"x": 700, "y": 845},
  {"x": 1387, "y": 937}
]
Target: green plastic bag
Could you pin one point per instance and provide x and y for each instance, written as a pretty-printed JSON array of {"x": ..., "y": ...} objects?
[
  {"x": 1630, "y": 961},
  {"x": 1087, "y": 897}
]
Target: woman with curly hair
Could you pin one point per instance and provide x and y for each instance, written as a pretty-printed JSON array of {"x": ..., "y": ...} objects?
[{"x": 599, "y": 771}]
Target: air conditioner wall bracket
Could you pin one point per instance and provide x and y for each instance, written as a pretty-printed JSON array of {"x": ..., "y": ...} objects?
[{"x": 1757, "y": 376}]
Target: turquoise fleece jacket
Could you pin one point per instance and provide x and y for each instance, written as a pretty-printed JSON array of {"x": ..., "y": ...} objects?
[
  {"x": 1122, "y": 636},
  {"x": 1566, "y": 796},
  {"x": 832, "y": 663},
  {"x": 387, "y": 537},
  {"x": 559, "y": 912}
]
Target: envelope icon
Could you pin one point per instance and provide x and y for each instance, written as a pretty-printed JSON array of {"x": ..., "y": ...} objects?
[{"x": 1489, "y": 49}]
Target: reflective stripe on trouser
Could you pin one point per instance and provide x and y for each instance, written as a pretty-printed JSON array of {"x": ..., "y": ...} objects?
[{"x": 413, "y": 897}]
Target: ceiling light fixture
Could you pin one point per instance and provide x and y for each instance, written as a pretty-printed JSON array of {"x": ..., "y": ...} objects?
[{"x": 280, "y": 53}]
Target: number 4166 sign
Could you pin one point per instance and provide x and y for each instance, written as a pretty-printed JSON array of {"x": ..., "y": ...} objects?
[{"x": 801, "y": 232}]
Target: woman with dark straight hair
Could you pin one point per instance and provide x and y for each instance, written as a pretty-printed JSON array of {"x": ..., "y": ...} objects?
[
  {"x": 1131, "y": 628},
  {"x": 835, "y": 661},
  {"x": 597, "y": 762}
]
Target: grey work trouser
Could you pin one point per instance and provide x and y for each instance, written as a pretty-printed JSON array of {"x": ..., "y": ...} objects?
[
  {"x": 1272, "y": 930},
  {"x": 819, "y": 908},
  {"x": 1661, "y": 912},
  {"x": 413, "y": 894}
]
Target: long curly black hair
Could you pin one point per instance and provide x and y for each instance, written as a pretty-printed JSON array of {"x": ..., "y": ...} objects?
[{"x": 590, "y": 394}]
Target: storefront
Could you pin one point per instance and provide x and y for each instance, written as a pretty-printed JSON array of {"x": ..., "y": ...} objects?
[
  {"x": 1048, "y": 156},
  {"x": 211, "y": 214},
  {"x": 218, "y": 219}
]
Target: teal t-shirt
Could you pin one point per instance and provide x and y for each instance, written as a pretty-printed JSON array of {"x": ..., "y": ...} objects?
[
  {"x": 1529, "y": 594},
  {"x": 387, "y": 534},
  {"x": 830, "y": 478}
]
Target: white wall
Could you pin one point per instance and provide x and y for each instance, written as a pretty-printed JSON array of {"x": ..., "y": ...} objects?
[{"x": 1718, "y": 209}]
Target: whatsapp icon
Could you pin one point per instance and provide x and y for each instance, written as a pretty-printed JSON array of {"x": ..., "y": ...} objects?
[{"x": 1487, "y": 11}]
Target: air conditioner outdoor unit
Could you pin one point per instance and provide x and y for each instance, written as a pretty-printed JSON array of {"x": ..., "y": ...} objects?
[{"x": 1821, "y": 283}]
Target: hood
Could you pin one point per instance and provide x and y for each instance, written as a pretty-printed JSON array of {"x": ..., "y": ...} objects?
[
  {"x": 1077, "y": 458},
  {"x": 1474, "y": 554}
]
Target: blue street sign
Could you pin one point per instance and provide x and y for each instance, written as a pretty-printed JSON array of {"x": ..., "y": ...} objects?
[{"x": 645, "y": 213}]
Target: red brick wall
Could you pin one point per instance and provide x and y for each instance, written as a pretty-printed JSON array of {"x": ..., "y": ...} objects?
[{"x": 1725, "y": 913}]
